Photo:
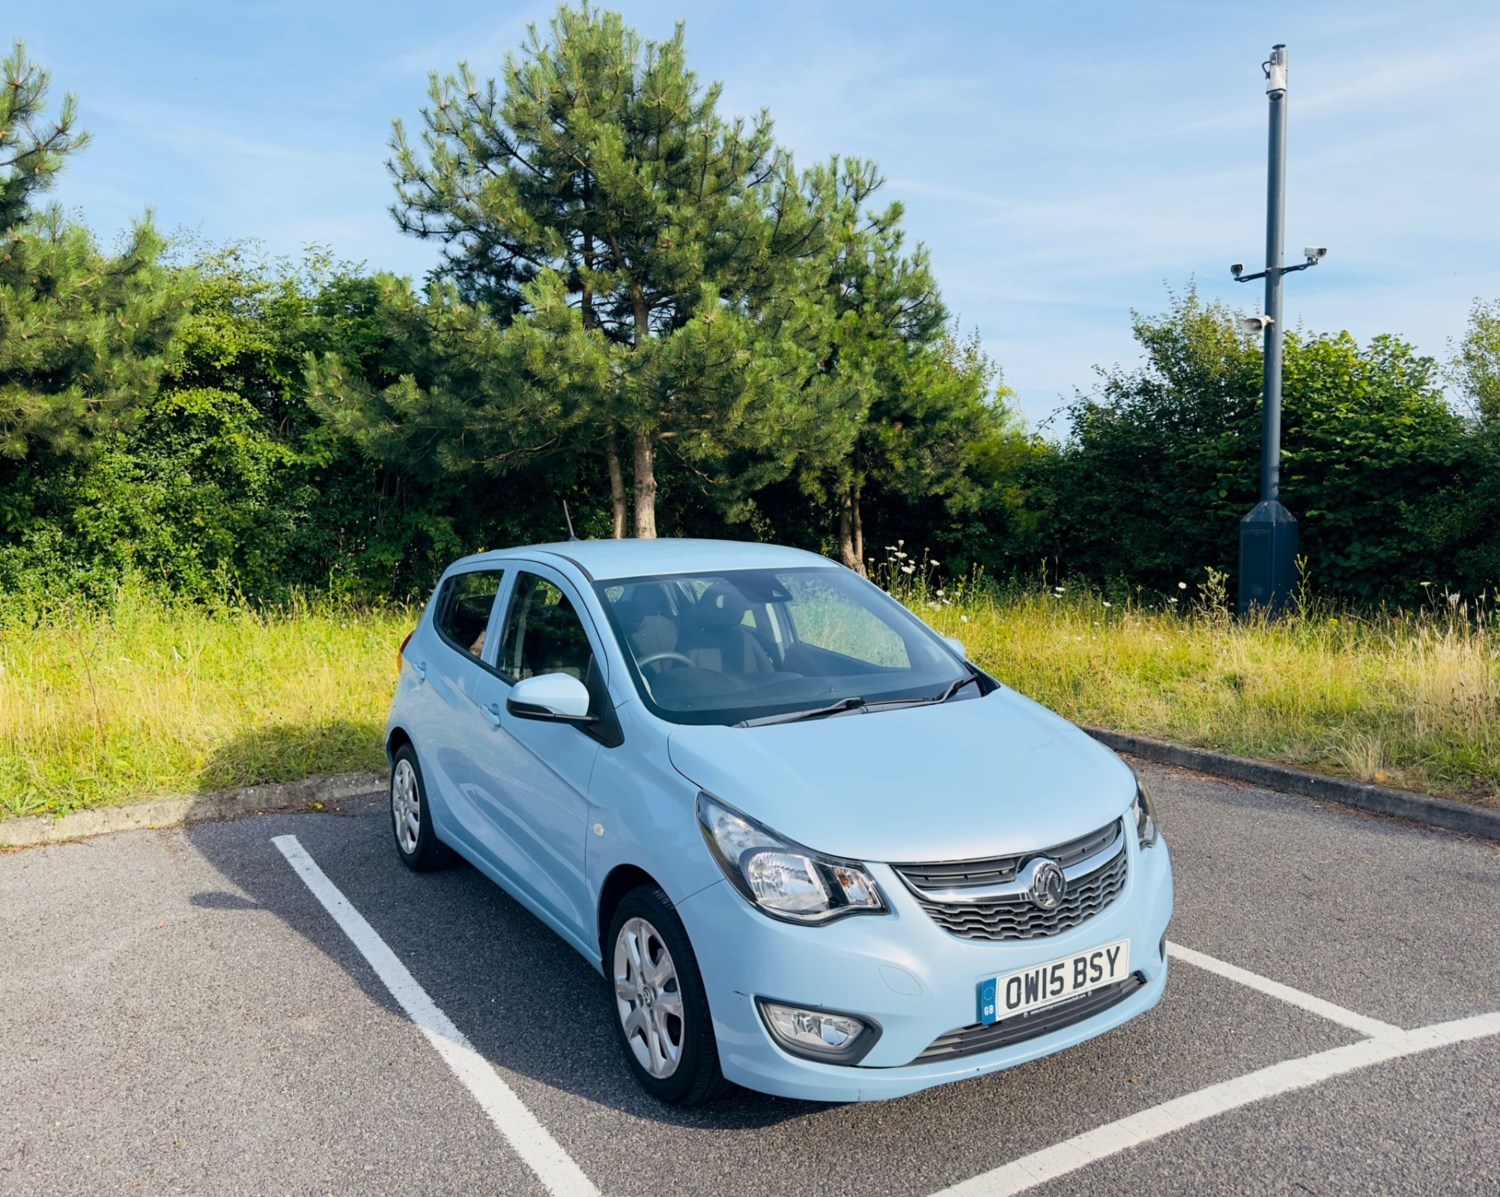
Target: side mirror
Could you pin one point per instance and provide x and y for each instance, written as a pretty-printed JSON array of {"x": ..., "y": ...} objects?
[
  {"x": 957, "y": 646},
  {"x": 550, "y": 696}
]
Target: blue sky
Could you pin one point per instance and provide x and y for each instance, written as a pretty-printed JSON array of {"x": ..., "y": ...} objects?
[{"x": 1064, "y": 162}]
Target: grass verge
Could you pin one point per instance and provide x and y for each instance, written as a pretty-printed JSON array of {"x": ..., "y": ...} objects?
[
  {"x": 154, "y": 699},
  {"x": 1410, "y": 700}
]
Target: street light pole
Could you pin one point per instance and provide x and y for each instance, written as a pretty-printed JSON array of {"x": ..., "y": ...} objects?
[
  {"x": 1268, "y": 535},
  {"x": 1270, "y": 436}
]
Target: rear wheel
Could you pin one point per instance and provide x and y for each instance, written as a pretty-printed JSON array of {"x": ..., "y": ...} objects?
[
  {"x": 661, "y": 1007},
  {"x": 411, "y": 818}
]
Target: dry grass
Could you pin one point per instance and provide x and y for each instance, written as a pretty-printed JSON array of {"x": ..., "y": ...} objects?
[
  {"x": 151, "y": 699},
  {"x": 1409, "y": 700}
]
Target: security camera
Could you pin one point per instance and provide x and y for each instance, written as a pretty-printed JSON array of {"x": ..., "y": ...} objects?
[
  {"x": 1255, "y": 324},
  {"x": 1237, "y": 269},
  {"x": 1315, "y": 253}
]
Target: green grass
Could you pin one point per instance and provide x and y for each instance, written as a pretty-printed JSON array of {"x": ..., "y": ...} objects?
[
  {"x": 101, "y": 708},
  {"x": 153, "y": 699}
]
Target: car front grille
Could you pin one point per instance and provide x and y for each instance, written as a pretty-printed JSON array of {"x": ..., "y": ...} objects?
[
  {"x": 971, "y": 1040},
  {"x": 1015, "y": 917}
]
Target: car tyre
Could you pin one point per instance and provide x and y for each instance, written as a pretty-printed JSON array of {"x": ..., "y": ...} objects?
[
  {"x": 661, "y": 1007},
  {"x": 411, "y": 817}
]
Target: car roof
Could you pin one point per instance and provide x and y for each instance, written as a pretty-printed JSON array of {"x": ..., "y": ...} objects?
[{"x": 601, "y": 560}]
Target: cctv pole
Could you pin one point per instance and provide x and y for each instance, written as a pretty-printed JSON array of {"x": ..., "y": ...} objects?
[
  {"x": 1268, "y": 535},
  {"x": 1270, "y": 433}
]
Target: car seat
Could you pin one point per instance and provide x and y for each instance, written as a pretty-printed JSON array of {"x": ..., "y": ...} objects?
[{"x": 716, "y": 637}]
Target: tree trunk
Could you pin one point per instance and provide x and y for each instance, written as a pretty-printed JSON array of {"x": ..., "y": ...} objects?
[
  {"x": 859, "y": 530},
  {"x": 645, "y": 488},
  {"x": 616, "y": 488},
  {"x": 847, "y": 552},
  {"x": 645, "y": 445}
]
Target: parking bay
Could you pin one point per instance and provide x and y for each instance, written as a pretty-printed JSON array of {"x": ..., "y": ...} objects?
[{"x": 183, "y": 1015}]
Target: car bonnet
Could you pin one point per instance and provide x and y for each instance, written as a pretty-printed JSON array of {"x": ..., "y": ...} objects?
[{"x": 966, "y": 779}]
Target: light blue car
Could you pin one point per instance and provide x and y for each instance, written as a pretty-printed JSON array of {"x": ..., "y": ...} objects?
[{"x": 812, "y": 849}]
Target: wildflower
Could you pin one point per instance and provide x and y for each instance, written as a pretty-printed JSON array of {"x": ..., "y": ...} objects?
[
  {"x": 933, "y": 561},
  {"x": 1106, "y": 604},
  {"x": 900, "y": 556},
  {"x": 963, "y": 619},
  {"x": 890, "y": 548},
  {"x": 1181, "y": 585},
  {"x": 908, "y": 569},
  {"x": 1173, "y": 600},
  {"x": 938, "y": 592}
]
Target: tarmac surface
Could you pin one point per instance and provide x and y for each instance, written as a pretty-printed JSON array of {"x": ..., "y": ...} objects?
[{"x": 181, "y": 1014}]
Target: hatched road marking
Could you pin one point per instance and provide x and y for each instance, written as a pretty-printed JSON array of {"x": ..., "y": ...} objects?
[{"x": 553, "y": 1166}]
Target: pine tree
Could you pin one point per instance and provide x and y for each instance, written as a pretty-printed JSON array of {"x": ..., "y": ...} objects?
[
  {"x": 81, "y": 333},
  {"x": 597, "y": 205},
  {"x": 908, "y": 397}
]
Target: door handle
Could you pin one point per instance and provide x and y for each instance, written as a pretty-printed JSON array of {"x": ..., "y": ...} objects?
[
  {"x": 421, "y": 669},
  {"x": 493, "y": 711}
]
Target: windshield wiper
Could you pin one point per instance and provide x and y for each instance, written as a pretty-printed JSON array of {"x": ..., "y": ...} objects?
[
  {"x": 955, "y": 688},
  {"x": 853, "y": 703}
]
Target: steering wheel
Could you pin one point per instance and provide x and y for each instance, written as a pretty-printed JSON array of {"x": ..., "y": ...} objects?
[{"x": 667, "y": 656}]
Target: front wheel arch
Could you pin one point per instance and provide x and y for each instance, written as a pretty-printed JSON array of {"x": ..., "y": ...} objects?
[
  {"x": 621, "y": 880},
  {"x": 394, "y": 743}
]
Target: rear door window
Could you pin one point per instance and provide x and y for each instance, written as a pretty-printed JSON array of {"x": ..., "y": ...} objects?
[{"x": 464, "y": 607}]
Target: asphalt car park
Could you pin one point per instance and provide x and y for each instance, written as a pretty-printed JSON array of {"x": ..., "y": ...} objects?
[{"x": 194, "y": 1011}]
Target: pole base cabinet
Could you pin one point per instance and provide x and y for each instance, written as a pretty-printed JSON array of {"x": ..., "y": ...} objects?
[{"x": 1268, "y": 558}]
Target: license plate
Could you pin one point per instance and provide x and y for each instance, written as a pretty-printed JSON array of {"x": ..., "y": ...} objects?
[{"x": 1041, "y": 985}]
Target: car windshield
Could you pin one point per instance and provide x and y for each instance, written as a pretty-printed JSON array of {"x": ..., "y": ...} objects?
[{"x": 763, "y": 644}]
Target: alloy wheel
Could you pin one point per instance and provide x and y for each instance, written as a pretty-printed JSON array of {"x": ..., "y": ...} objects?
[
  {"x": 406, "y": 806},
  {"x": 648, "y": 998}
]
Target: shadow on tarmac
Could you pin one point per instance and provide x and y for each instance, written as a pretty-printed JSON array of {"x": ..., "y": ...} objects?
[{"x": 526, "y": 1000}]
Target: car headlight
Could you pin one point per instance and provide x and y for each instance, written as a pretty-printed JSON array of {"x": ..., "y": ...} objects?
[
  {"x": 784, "y": 879},
  {"x": 1145, "y": 820}
]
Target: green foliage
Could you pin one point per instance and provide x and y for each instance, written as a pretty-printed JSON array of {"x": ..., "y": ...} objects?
[
  {"x": 1474, "y": 515},
  {"x": 81, "y": 333},
  {"x": 1475, "y": 369},
  {"x": 32, "y": 147},
  {"x": 1164, "y": 460},
  {"x": 1372, "y": 453},
  {"x": 643, "y": 248},
  {"x": 639, "y": 294}
]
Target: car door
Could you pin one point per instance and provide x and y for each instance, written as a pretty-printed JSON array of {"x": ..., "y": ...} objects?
[
  {"x": 453, "y": 728},
  {"x": 537, "y": 773}
]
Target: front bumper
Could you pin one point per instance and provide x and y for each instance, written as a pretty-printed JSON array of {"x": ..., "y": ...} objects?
[{"x": 907, "y": 974}]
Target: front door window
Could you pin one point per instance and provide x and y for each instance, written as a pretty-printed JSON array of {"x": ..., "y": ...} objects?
[{"x": 543, "y": 633}]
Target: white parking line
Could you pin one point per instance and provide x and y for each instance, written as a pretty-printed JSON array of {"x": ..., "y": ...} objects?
[
  {"x": 542, "y": 1153},
  {"x": 1092, "y": 1146},
  {"x": 1372, "y": 1027}
]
